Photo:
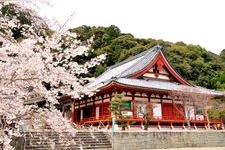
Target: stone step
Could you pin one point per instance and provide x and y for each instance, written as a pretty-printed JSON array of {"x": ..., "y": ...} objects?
[
  {"x": 57, "y": 136},
  {"x": 78, "y": 132},
  {"x": 86, "y": 140},
  {"x": 66, "y": 143},
  {"x": 70, "y": 148},
  {"x": 49, "y": 148},
  {"x": 67, "y": 147},
  {"x": 28, "y": 140}
]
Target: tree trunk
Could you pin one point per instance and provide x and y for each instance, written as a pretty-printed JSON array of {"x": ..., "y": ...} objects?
[
  {"x": 207, "y": 119},
  {"x": 188, "y": 120}
]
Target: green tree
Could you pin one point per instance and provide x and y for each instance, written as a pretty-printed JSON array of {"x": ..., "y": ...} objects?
[
  {"x": 193, "y": 62},
  {"x": 116, "y": 107},
  {"x": 222, "y": 55}
]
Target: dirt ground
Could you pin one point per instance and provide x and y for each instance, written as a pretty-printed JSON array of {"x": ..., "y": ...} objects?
[{"x": 194, "y": 148}]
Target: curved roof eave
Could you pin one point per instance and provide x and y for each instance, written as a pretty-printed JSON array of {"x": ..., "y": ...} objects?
[{"x": 157, "y": 85}]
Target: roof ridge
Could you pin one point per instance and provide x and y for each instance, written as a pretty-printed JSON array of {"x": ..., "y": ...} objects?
[
  {"x": 119, "y": 64},
  {"x": 129, "y": 59}
]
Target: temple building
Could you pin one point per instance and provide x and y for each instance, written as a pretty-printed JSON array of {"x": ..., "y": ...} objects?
[{"x": 148, "y": 82}]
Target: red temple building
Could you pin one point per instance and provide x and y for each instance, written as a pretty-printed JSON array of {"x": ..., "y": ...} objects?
[{"x": 147, "y": 81}]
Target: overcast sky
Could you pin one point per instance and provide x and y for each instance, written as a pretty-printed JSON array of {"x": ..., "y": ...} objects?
[{"x": 191, "y": 21}]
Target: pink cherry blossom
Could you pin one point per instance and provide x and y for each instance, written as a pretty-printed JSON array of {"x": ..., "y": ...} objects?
[{"x": 28, "y": 62}]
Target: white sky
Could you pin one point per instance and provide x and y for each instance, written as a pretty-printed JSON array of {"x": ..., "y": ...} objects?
[{"x": 191, "y": 21}]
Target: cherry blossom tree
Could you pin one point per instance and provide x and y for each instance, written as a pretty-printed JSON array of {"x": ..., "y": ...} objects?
[
  {"x": 31, "y": 57},
  {"x": 190, "y": 99}
]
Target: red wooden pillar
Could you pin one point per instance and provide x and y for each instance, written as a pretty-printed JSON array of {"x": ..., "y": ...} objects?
[
  {"x": 79, "y": 110},
  {"x": 128, "y": 125},
  {"x": 108, "y": 124},
  {"x": 73, "y": 111},
  {"x": 102, "y": 106},
  {"x": 158, "y": 124},
  {"x": 171, "y": 125},
  {"x": 222, "y": 126},
  {"x": 163, "y": 112},
  {"x": 94, "y": 108},
  {"x": 195, "y": 127},
  {"x": 63, "y": 110},
  {"x": 183, "y": 126},
  {"x": 173, "y": 111},
  {"x": 133, "y": 105}
]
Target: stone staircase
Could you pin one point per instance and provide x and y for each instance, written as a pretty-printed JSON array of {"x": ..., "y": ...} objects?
[{"x": 82, "y": 140}]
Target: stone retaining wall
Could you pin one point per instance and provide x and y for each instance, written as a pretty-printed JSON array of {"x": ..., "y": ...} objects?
[{"x": 167, "y": 139}]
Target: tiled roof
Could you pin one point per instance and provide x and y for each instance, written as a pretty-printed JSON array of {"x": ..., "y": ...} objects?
[
  {"x": 121, "y": 72},
  {"x": 142, "y": 63},
  {"x": 128, "y": 66}
]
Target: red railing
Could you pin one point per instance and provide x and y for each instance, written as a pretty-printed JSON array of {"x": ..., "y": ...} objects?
[{"x": 165, "y": 120}]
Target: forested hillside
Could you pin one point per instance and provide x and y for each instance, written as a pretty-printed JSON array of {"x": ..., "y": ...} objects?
[{"x": 193, "y": 62}]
